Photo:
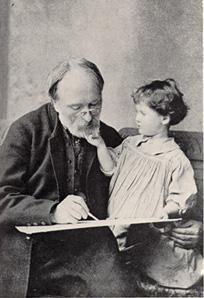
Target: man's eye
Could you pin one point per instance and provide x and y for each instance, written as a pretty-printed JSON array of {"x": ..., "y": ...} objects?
[
  {"x": 141, "y": 113},
  {"x": 94, "y": 104},
  {"x": 75, "y": 108}
]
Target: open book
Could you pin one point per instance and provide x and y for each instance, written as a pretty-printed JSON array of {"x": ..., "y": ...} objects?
[{"x": 91, "y": 224}]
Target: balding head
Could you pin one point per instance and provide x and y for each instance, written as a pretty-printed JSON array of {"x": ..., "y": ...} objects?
[{"x": 74, "y": 64}]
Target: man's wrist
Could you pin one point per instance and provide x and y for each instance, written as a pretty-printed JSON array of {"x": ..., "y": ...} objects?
[{"x": 52, "y": 215}]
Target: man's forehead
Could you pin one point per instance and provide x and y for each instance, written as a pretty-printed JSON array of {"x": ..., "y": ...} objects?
[
  {"x": 78, "y": 87},
  {"x": 76, "y": 77}
]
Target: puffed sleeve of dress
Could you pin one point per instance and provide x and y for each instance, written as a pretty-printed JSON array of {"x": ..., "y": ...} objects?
[{"x": 182, "y": 188}]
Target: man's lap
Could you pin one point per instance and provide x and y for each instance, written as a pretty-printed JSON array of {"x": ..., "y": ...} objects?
[{"x": 76, "y": 263}]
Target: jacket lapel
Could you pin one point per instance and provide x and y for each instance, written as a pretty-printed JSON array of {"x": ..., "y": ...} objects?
[
  {"x": 57, "y": 153},
  {"x": 90, "y": 156}
]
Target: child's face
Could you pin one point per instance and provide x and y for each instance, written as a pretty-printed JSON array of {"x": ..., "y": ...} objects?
[{"x": 148, "y": 121}]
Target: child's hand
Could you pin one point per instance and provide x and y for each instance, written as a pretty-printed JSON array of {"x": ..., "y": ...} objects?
[
  {"x": 94, "y": 138},
  {"x": 171, "y": 209},
  {"x": 95, "y": 141},
  {"x": 164, "y": 214},
  {"x": 161, "y": 225}
]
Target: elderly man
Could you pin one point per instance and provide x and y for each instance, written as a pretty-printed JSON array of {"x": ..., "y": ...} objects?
[{"x": 50, "y": 174}]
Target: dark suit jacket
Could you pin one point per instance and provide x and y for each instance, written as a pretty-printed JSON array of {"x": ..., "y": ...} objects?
[{"x": 32, "y": 168}]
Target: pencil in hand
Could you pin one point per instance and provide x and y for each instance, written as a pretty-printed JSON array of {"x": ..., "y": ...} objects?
[{"x": 92, "y": 216}]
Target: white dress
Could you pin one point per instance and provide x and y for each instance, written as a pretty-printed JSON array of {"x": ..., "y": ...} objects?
[{"x": 142, "y": 183}]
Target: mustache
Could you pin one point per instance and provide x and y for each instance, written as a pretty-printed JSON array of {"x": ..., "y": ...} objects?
[{"x": 92, "y": 128}]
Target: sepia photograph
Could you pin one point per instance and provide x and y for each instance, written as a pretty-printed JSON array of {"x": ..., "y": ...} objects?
[{"x": 101, "y": 148}]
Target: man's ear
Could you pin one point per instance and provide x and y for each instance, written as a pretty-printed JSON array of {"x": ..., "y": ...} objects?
[{"x": 166, "y": 120}]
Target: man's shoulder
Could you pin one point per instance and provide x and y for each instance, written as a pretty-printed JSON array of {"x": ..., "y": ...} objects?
[
  {"x": 33, "y": 122},
  {"x": 33, "y": 119},
  {"x": 40, "y": 112},
  {"x": 110, "y": 135}
]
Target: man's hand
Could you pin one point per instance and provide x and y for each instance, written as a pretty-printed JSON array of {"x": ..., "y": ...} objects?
[
  {"x": 188, "y": 234},
  {"x": 70, "y": 210}
]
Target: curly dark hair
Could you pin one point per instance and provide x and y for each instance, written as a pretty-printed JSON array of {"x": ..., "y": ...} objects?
[{"x": 164, "y": 97}]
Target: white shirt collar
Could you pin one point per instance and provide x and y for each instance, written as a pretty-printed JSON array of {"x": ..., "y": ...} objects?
[{"x": 157, "y": 145}]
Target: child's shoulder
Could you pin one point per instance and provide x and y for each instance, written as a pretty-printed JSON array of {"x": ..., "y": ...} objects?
[
  {"x": 179, "y": 159},
  {"x": 133, "y": 139}
]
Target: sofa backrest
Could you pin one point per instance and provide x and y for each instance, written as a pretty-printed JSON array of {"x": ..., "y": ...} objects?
[{"x": 192, "y": 145}]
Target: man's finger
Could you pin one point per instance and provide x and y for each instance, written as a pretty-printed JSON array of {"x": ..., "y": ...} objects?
[
  {"x": 185, "y": 224},
  {"x": 80, "y": 201},
  {"x": 77, "y": 200},
  {"x": 184, "y": 244},
  {"x": 183, "y": 237},
  {"x": 188, "y": 246},
  {"x": 73, "y": 212},
  {"x": 181, "y": 242},
  {"x": 183, "y": 231},
  {"x": 71, "y": 219},
  {"x": 79, "y": 211}
]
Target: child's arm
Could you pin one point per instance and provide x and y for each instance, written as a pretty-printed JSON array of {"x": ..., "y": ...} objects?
[{"x": 106, "y": 161}]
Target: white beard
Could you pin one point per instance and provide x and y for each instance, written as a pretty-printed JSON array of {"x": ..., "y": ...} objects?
[{"x": 80, "y": 129}]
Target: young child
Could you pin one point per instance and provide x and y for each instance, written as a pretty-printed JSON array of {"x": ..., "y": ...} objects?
[{"x": 151, "y": 177}]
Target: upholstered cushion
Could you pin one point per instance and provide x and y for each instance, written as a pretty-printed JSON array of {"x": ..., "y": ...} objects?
[{"x": 149, "y": 288}]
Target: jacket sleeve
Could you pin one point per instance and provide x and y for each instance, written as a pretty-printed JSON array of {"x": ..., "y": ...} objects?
[{"x": 17, "y": 207}]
